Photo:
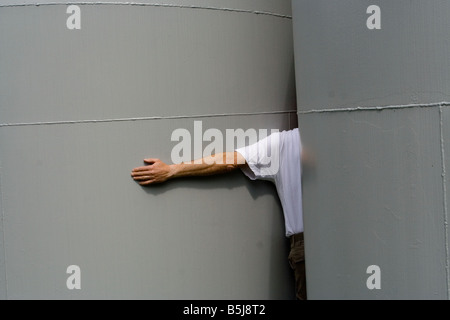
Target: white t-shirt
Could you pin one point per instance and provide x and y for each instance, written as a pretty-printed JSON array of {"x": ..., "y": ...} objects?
[{"x": 276, "y": 158}]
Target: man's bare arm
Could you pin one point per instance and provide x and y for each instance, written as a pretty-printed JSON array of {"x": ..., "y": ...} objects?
[{"x": 157, "y": 171}]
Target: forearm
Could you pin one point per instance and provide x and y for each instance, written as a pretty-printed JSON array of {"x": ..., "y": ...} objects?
[
  {"x": 157, "y": 171},
  {"x": 212, "y": 165}
]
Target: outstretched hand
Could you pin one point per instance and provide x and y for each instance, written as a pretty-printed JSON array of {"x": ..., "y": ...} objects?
[{"x": 154, "y": 172}]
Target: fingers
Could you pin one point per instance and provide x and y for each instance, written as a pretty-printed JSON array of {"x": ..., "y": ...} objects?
[
  {"x": 146, "y": 168},
  {"x": 140, "y": 169},
  {"x": 142, "y": 175},
  {"x": 145, "y": 176},
  {"x": 139, "y": 172},
  {"x": 142, "y": 178}
]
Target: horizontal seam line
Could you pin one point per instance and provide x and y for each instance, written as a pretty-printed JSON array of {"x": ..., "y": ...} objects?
[
  {"x": 162, "y": 5},
  {"x": 378, "y": 108},
  {"x": 143, "y": 118}
]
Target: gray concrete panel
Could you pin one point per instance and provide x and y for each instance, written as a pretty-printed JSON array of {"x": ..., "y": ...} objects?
[
  {"x": 133, "y": 61},
  {"x": 375, "y": 198},
  {"x": 70, "y": 200},
  {"x": 341, "y": 63},
  {"x": 370, "y": 104},
  {"x": 79, "y": 109}
]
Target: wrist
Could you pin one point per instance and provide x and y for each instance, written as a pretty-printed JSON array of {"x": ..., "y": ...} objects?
[{"x": 174, "y": 170}]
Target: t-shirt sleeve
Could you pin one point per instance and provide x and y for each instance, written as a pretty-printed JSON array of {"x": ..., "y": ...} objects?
[{"x": 262, "y": 158}]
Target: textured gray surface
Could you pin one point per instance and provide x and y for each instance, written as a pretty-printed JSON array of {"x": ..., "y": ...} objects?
[
  {"x": 378, "y": 193},
  {"x": 184, "y": 239},
  {"x": 67, "y": 194},
  {"x": 341, "y": 63},
  {"x": 142, "y": 61},
  {"x": 375, "y": 198}
]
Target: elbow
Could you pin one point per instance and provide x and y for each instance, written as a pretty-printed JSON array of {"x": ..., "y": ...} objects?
[
  {"x": 231, "y": 167},
  {"x": 233, "y": 161}
]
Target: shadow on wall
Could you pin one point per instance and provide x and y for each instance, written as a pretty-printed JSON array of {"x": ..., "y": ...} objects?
[
  {"x": 225, "y": 181},
  {"x": 291, "y": 90}
]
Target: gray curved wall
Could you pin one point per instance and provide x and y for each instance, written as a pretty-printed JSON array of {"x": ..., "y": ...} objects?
[
  {"x": 80, "y": 108},
  {"x": 373, "y": 105}
]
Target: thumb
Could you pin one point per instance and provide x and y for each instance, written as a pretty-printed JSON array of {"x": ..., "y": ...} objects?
[{"x": 151, "y": 161}]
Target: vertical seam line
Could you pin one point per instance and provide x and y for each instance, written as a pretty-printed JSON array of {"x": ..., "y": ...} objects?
[
  {"x": 444, "y": 189},
  {"x": 3, "y": 233}
]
